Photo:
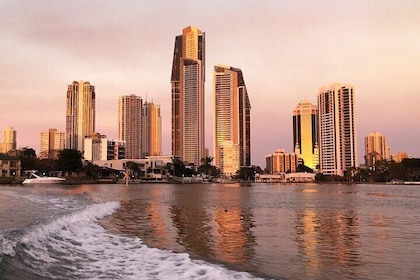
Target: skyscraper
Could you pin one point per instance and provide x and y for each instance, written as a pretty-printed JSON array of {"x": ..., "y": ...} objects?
[
  {"x": 151, "y": 130},
  {"x": 9, "y": 140},
  {"x": 337, "y": 129},
  {"x": 232, "y": 143},
  {"x": 305, "y": 133},
  {"x": 80, "y": 114},
  {"x": 129, "y": 124},
  {"x": 187, "y": 81},
  {"x": 375, "y": 148},
  {"x": 52, "y": 142}
]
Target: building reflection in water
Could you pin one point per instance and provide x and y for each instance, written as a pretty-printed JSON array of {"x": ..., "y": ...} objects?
[
  {"x": 235, "y": 241},
  {"x": 221, "y": 231},
  {"x": 146, "y": 219},
  {"x": 327, "y": 239}
]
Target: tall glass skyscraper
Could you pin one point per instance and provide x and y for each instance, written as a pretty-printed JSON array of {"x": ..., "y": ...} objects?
[
  {"x": 80, "y": 114},
  {"x": 305, "y": 133},
  {"x": 187, "y": 82},
  {"x": 232, "y": 143},
  {"x": 337, "y": 129},
  {"x": 129, "y": 124}
]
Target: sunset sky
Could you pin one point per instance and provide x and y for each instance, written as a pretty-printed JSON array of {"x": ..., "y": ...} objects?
[{"x": 287, "y": 50}]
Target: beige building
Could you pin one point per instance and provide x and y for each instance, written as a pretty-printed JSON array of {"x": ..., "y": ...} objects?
[
  {"x": 337, "y": 129},
  {"x": 130, "y": 124},
  {"x": 10, "y": 166},
  {"x": 400, "y": 156},
  {"x": 232, "y": 120},
  {"x": 187, "y": 82},
  {"x": 52, "y": 142},
  {"x": 281, "y": 162},
  {"x": 151, "y": 130},
  {"x": 375, "y": 149},
  {"x": 80, "y": 114},
  {"x": 305, "y": 133},
  {"x": 9, "y": 140}
]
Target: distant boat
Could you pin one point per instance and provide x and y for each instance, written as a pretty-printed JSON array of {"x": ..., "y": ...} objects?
[
  {"x": 402, "y": 182},
  {"x": 35, "y": 179}
]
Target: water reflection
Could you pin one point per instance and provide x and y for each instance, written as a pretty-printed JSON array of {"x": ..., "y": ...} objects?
[{"x": 292, "y": 232}]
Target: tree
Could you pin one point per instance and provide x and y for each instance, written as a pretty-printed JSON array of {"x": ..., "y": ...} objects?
[
  {"x": 178, "y": 167},
  {"x": 247, "y": 173},
  {"x": 27, "y": 158},
  {"x": 70, "y": 160},
  {"x": 133, "y": 167},
  {"x": 91, "y": 170},
  {"x": 206, "y": 166}
]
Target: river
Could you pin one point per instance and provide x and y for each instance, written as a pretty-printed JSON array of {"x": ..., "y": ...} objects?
[{"x": 210, "y": 231}]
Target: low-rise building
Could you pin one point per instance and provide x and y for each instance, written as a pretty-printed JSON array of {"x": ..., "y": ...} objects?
[
  {"x": 10, "y": 166},
  {"x": 151, "y": 167},
  {"x": 281, "y": 162},
  {"x": 98, "y": 147}
]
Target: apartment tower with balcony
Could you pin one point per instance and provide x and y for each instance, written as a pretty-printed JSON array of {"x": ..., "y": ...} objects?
[
  {"x": 187, "y": 82},
  {"x": 80, "y": 114},
  {"x": 130, "y": 124},
  {"x": 232, "y": 120},
  {"x": 151, "y": 130},
  {"x": 375, "y": 149},
  {"x": 52, "y": 142},
  {"x": 337, "y": 129}
]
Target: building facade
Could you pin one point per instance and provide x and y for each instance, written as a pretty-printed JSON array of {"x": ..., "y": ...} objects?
[
  {"x": 98, "y": 147},
  {"x": 9, "y": 140},
  {"x": 337, "y": 129},
  {"x": 80, "y": 114},
  {"x": 151, "y": 130},
  {"x": 9, "y": 166},
  {"x": 375, "y": 149},
  {"x": 187, "y": 82},
  {"x": 305, "y": 133},
  {"x": 232, "y": 120},
  {"x": 281, "y": 162},
  {"x": 400, "y": 156},
  {"x": 52, "y": 142},
  {"x": 130, "y": 124}
]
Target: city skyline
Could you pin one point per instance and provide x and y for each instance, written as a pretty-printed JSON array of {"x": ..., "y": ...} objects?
[{"x": 288, "y": 51}]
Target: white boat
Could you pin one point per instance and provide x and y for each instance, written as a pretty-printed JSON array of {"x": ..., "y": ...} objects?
[{"x": 35, "y": 179}]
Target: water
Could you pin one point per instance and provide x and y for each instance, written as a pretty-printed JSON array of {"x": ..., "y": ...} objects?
[{"x": 210, "y": 231}]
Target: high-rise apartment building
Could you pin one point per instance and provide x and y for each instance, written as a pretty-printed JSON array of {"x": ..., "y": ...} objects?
[
  {"x": 151, "y": 130},
  {"x": 375, "y": 148},
  {"x": 305, "y": 133},
  {"x": 129, "y": 124},
  {"x": 80, "y": 114},
  {"x": 337, "y": 129},
  {"x": 187, "y": 81},
  {"x": 52, "y": 142},
  {"x": 232, "y": 135},
  {"x": 9, "y": 140}
]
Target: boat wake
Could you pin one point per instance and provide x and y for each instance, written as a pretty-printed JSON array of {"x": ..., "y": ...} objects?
[{"x": 75, "y": 246}]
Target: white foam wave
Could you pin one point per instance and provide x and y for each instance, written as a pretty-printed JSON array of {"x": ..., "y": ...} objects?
[{"x": 78, "y": 247}]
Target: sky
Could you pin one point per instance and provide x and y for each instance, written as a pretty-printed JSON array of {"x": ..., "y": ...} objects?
[{"x": 287, "y": 50}]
